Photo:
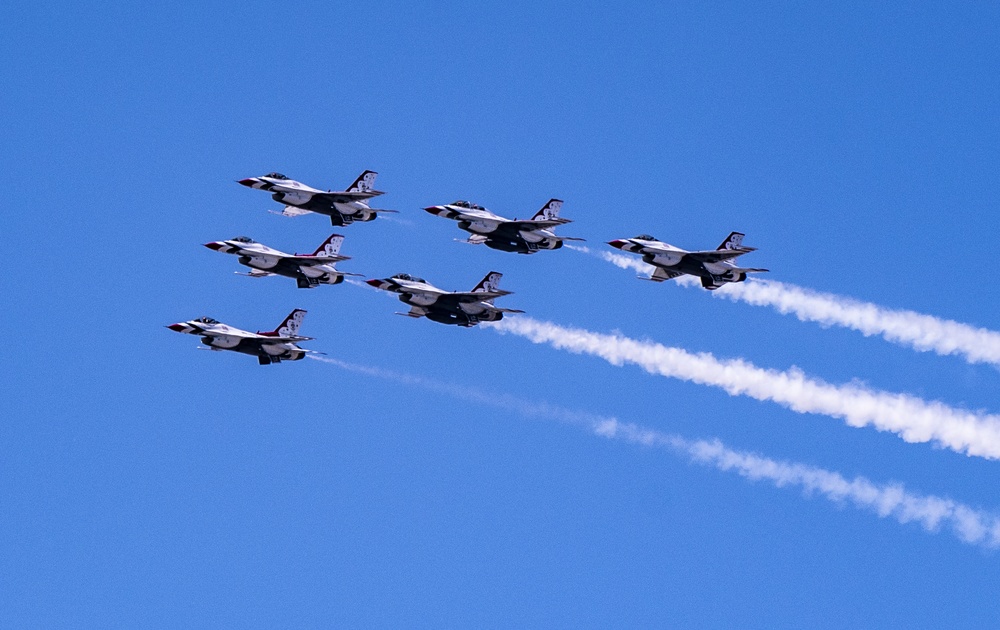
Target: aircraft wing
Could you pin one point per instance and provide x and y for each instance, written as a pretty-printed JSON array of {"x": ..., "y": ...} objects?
[
  {"x": 415, "y": 312},
  {"x": 310, "y": 261},
  {"x": 291, "y": 211},
  {"x": 276, "y": 339},
  {"x": 347, "y": 197},
  {"x": 475, "y": 296},
  {"x": 660, "y": 274},
  {"x": 535, "y": 225},
  {"x": 255, "y": 273},
  {"x": 717, "y": 255},
  {"x": 252, "y": 337}
]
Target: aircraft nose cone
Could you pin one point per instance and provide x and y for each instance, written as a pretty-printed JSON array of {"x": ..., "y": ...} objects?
[
  {"x": 249, "y": 182},
  {"x": 617, "y": 243},
  {"x": 374, "y": 283},
  {"x": 432, "y": 209},
  {"x": 176, "y": 327},
  {"x": 216, "y": 245}
]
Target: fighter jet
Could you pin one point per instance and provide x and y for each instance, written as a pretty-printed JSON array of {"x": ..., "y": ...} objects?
[
  {"x": 343, "y": 207},
  {"x": 309, "y": 270},
  {"x": 523, "y": 237},
  {"x": 269, "y": 347},
  {"x": 448, "y": 307},
  {"x": 714, "y": 267}
]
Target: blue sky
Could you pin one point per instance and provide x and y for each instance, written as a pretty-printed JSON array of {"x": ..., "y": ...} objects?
[{"x": 147, "y": 484}]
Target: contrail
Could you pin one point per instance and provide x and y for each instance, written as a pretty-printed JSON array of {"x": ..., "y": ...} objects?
[
  {"x": 971, "y": 526},
  {"x": 631, "y": 262},
  {"x": 359, "y": 283},
  {"x": 921, "y": 332},
  {"x": 912, "y": 418}
]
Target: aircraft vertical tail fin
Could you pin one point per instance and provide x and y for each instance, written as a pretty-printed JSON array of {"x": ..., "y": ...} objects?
[
  {"x": 549, "y": 211},
  {"x": 290, "y": 326},
  {"x": 364, "y": 183},
  {"x": 490, "y": 283},
  {"x": 733, "y": 241},
  {"x": 330, "y": 247}
]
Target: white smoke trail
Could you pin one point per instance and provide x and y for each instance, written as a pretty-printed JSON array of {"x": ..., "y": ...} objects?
[
  {"x": 972, "y": 526},
  {"x": 359, "y": 283},
  {"x": 618, "y": 260},
  {"x": 392, "y": 219},
  {"x": 912, "y": 418},
  {"x": 921, "y": 332}
]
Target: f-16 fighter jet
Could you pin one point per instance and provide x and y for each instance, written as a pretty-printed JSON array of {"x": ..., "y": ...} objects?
[
  {"x": 714, "y": 267},
  {"x": 309, "y": 270},
  {"x": 448, "y": 307},
  {"x": 269, "y": 347},
  {"x": 523, "y": 237},
  {"x": 343, "y": 207}
]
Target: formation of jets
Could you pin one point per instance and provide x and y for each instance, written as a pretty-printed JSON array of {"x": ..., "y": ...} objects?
[{"x": 715, "y": 267}]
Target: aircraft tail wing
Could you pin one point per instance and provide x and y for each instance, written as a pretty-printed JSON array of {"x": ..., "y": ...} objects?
[
  {"x": 365, "y": 183},
  {"x": 290, "y": 326},
  {"x": 549, "y": 211},
  {"x": 325, "y": 254},
  {"x": 489, "y": 283},
  {"x": 733, "y": 241},
  {"x": 730, "y": 248},
  {"x": 331, "y": 247}
]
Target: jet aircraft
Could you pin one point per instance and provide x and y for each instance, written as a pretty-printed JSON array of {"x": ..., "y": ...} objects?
[
  {"x": 524, "y": 237},
  {"x": 448, "y": 307},
  {"x": 343, "y": 207},
  {"x": 714, "y": 267},
  {"x": 269, "y": 347},
  {"x": 309, "y": 270}
]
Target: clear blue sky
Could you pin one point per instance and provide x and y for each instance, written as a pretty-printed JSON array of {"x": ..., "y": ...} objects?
[{"x": 146, "y": 484}]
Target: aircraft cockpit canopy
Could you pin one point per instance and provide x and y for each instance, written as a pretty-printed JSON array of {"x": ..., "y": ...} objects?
[
  {"x": 409, "y": 278},
  {"x": 275, "y": 176},
  {"x": 206, "y": 320},
  {"x": 466, "y": 204},
  {"x": 243, "y": 239},
  {"x": 645, "y": 237}
]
